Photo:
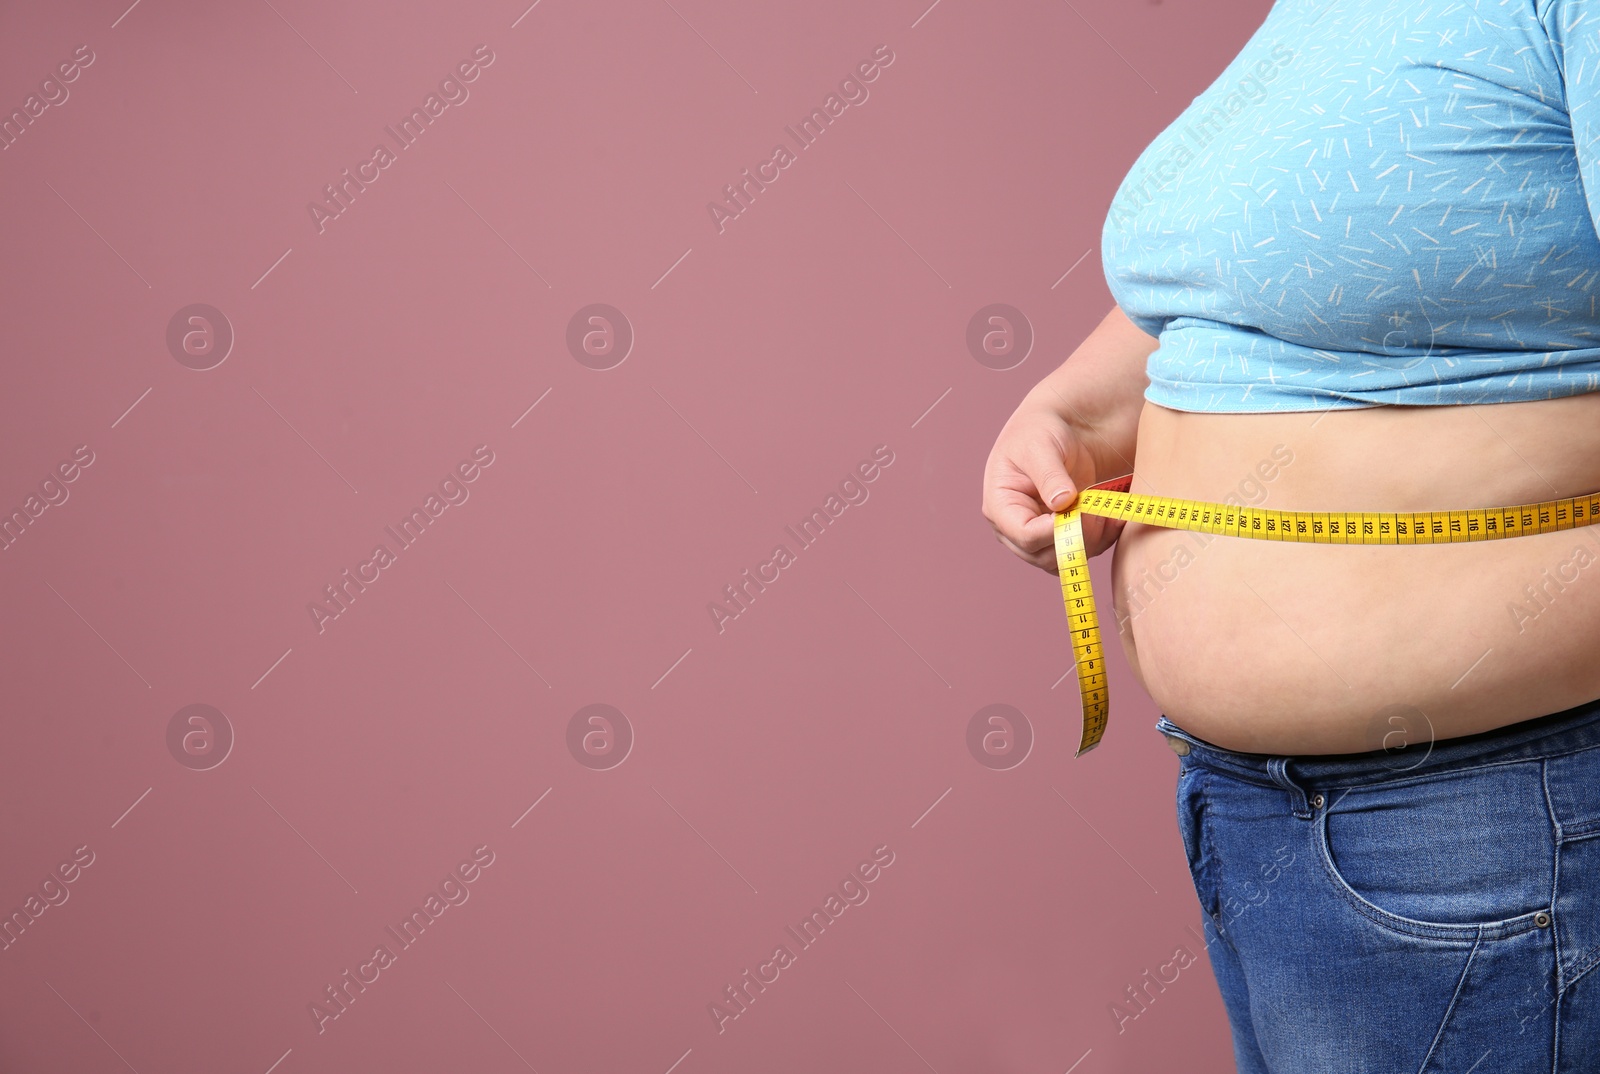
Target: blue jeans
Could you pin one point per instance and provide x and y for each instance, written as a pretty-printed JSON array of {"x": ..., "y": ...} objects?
[{"x": 1435, "y": 910}]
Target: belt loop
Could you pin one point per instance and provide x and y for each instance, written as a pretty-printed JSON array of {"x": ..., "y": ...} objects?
[{"x": 1278, "y": 769}]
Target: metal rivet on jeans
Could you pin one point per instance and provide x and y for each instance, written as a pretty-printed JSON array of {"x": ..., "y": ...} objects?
[
  {"x": 1316, "y": 801},
  {"x": 1542, "y": 919}
]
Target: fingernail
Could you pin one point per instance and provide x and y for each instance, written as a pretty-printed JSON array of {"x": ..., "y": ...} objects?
[{"x": 1060, "y": 497}]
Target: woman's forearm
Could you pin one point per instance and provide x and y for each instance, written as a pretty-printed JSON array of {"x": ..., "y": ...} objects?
[{"x": 1099, "y": 391}]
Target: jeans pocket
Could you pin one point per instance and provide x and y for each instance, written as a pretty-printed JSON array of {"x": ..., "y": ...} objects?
[
  {"x": 1191, "y": 827},
  {"x": 1573, "y": 783},
  {"x": 1455, "y": 856}
]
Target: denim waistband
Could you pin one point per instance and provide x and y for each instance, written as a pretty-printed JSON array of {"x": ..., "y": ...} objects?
[{"x": 1559, "y": 733}]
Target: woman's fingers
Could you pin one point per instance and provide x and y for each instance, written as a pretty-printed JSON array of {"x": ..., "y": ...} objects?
[
  {"x": 1024, "y": 523},
  {"x": 1028, "y": 479},
  {"x": 1014, "y": 499},
  {"x": 1009, "y": 510},
  {"x": 1045, "y": 560},
  {"x": 1011, "y": 502}
]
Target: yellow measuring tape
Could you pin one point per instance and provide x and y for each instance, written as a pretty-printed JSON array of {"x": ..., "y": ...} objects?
[{"x": 1111, "y": 499}]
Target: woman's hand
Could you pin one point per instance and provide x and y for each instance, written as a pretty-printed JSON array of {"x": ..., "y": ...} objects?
[
  {"x": 1078, "y": 426},
  {"x": 1036, "y": 468}
]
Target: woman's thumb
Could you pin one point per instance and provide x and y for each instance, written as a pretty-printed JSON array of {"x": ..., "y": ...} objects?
[{"x": 1056, "y": 489}]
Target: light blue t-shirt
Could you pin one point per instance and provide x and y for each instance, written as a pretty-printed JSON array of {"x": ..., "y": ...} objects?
[{"x": 1377, "y": 202}]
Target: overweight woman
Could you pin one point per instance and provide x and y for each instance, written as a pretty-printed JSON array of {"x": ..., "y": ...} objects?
[{"x": 1360, "y": 272}]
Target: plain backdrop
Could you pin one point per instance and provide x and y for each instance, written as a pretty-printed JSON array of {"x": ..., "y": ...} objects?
[{"x": 365, "y": 756}]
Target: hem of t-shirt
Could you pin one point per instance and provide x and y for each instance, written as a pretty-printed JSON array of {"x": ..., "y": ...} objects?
[
  {"x": 1299, "y": 403},
  {"x": 1291, "y": 405}
]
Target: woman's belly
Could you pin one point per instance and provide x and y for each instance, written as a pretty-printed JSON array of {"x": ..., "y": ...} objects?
[{"x": 1291, "y": 648}]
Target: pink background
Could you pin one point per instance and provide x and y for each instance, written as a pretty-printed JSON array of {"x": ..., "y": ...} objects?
[{"x": 371, "y": 758}]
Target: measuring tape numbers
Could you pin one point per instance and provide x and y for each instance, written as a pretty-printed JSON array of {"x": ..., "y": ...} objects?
[{"x": 1111, "y": 499}]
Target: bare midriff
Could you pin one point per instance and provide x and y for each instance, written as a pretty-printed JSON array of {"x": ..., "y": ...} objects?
[{"x": 1266, "y": 647}]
